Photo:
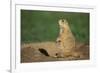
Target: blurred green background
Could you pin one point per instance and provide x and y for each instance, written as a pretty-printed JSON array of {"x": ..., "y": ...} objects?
[{"x": 39, "y": 26}]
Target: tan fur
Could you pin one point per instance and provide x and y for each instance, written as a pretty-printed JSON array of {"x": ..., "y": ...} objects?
[{"x": 65, "y": 40}]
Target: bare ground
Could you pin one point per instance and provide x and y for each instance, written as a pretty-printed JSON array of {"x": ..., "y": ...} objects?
[{"x": 30, "y": 52}]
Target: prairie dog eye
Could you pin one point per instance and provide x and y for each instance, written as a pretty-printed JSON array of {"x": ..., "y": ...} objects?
[{"x": 63, "y": 20}]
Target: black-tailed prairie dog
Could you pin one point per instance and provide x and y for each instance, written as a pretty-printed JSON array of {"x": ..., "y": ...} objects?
[{"x": 65, "y": 40}]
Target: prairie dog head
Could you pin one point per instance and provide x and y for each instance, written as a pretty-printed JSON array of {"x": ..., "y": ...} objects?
[
  {"x": 62, "y": 22},
  {"x": 63, "y": 25}
]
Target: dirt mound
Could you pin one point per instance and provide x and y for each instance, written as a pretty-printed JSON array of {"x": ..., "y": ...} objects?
[{"x": 30, "y": 52}]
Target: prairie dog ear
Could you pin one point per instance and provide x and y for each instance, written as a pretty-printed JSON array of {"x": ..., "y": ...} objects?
[{"x": 62, "y": 21}]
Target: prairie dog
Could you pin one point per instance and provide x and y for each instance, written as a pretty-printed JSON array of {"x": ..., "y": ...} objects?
[{"x": 65, "y": 40}]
